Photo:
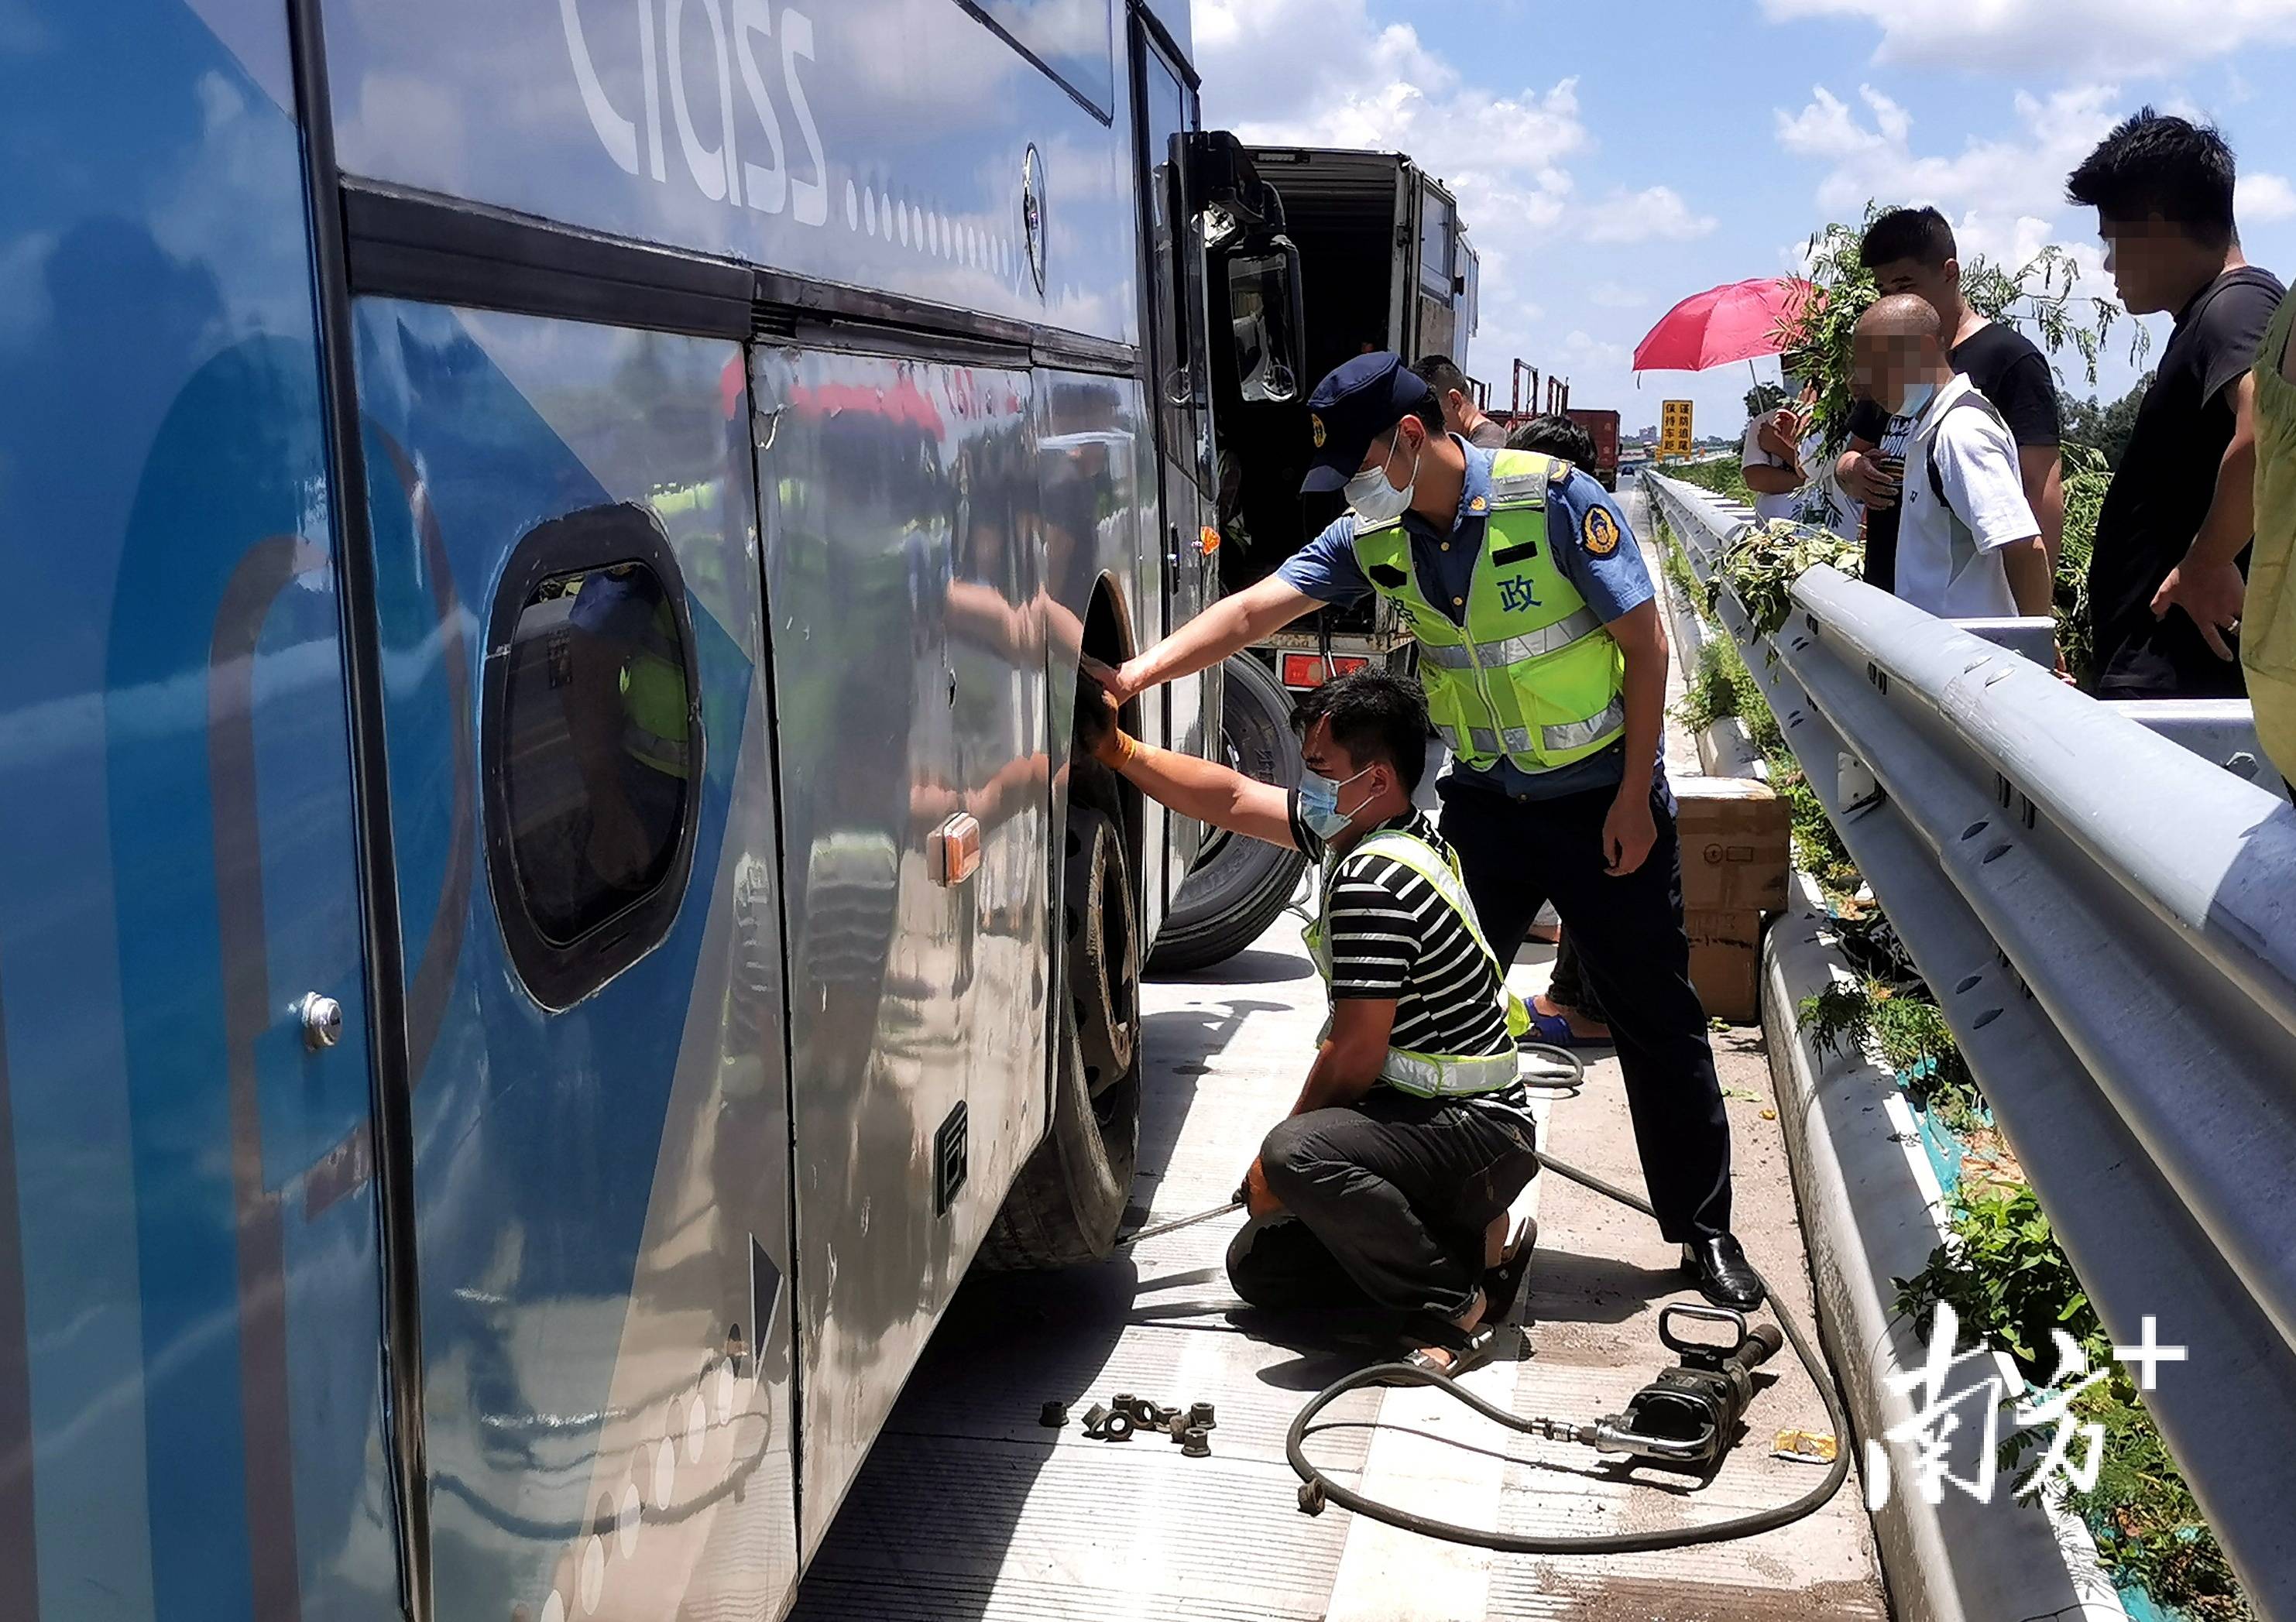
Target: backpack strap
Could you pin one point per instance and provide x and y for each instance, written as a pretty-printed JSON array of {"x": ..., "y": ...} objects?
[{"x": 1936, "y": 479}]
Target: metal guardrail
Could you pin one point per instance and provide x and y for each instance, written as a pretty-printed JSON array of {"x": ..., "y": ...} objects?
[{"x": 2109, "y": 923}]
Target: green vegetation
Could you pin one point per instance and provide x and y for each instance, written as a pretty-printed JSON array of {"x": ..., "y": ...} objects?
[
  {"x": 2086, "y": 478},
  {"x": 1906, "y": 1028},
  {"x": 1763, "y": 560},
  {"x": 1710, "y": 691},
  {"x": 1724, "y": 476},
  {"x": 2007, "y": 1280},
  {"x": 2104, "y": 428},
  {"x": 1723, "y": 685},
  {"x": 2041, "y": 298}
]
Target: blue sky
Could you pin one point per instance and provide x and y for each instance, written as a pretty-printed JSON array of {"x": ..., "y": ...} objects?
[{"x": 1611, "y": 159}]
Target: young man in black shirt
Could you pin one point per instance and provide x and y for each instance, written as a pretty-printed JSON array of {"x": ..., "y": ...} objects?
[
  {"x": 1461, "y": 414},
  {"x": 1912, "y": 251},
  {"x": 2166, "y": 581}
]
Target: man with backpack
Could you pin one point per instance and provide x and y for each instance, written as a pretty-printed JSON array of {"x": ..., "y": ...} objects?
[{"x": 1968, "y": 545}]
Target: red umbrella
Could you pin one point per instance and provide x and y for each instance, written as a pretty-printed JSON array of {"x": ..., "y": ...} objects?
[{"x": 1733, "y": 322}]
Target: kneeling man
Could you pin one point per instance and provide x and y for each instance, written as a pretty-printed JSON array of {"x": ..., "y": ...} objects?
[{"x": 1413, "y": 1134}]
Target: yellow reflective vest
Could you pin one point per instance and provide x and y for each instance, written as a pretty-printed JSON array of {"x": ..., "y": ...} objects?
[{"x": 1533, "y": 676}]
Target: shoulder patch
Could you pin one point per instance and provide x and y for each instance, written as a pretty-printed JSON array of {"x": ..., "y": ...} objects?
[
  {"x": 1560, "y": 474},
  {"x": 1315, "y": 426},
  {"x": 1598, "y": 532}
]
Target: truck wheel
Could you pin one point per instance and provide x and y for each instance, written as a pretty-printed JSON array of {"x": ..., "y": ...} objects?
[
  {"x": 1068, "y": 1200},
  {"x": 1237, "y": 886},
  {"x": 1104, "y": 961}
]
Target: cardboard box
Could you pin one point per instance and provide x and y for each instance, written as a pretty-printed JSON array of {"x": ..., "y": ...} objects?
[
  {"x": 1725, "y": 961},
  {"x": 1737, "y": 844}
]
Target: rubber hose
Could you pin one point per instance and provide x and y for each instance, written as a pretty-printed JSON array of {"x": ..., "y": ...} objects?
[
  {"x": 1577, "y": 1067},
  {"x": 1609, "y": 1543}
]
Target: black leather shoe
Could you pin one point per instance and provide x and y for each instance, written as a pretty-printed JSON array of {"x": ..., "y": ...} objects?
[{"x": 1722, "y": 1274}]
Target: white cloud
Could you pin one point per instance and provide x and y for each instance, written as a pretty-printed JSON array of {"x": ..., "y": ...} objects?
[
  {"x": 1324, "y": 73},
  {"x": 1655, "y": 213},
  {"x": 2261, "y": 199},
  {"x": 1611, "y": 296},
  {"x": 2111, "y": 37},
  {"x": 1582, "y": 351},
  {"x": 2005, "y": 197}
]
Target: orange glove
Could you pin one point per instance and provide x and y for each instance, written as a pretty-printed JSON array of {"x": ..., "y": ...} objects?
[{"x": 1258, "y": 1199}]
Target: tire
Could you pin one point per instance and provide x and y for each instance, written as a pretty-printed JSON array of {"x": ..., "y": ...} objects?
[
  {"x": 1238, "y": 886},
  {"x": 1103, "y": 959},
  {"x": 1070, "y": 1198}
]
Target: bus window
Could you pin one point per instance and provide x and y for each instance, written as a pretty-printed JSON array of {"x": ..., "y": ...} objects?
[
  {"x": 1069, "y": 39},
  {"x": 590, "y": 750}
]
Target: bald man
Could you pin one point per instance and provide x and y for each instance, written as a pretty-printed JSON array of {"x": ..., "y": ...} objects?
[{"x": 1968, "y": 544}]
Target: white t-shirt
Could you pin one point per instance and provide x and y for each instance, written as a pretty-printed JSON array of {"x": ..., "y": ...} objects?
[
  {"x": 1822, "y": 502},
  {"x": 1949, "y": 557},
  {"x": 1751, "y": 454}
]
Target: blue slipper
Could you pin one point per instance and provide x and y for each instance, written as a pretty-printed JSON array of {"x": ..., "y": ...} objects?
[{"x": 1554, "y": 1030}]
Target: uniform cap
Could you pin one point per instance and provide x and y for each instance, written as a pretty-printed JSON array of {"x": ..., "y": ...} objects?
[{"x": 1355, "y": 404}]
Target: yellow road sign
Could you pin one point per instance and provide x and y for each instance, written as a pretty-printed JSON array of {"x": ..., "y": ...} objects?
[{"x": 1674, "y": 429}]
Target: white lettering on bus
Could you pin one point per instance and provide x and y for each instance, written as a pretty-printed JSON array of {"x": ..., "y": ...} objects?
[
  {"x": 718, "y": 171},
  {"x": 652, "y": 88},
  {"x": 617, "y": 133},
  {"x": 810, "y": 199},
  {"x": 766, "y": 186},
  {"x": 713, "y": 171}
]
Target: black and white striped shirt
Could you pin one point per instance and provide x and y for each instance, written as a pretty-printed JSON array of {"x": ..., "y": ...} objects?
[{"x": 1393, "y": 938}]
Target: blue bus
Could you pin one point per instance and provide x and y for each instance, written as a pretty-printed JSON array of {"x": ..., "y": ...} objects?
[{"x": 547, "y": 913}]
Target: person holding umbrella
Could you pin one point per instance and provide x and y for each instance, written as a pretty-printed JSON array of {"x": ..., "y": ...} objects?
[{"x": 1544, "y": 665}]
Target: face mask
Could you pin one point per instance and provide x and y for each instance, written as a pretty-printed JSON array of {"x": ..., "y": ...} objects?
[
  {"x": 1375, "y": 500},
  {"x": 1916, "y": 400},
  {"x": 1319, "y": 804}
]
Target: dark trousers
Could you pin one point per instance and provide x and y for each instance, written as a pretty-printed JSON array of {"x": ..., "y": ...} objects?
[
  {"x": 1387, "y": 1199},
  {"x": 1568, "y": 984},
  {"x": 1518, "y": 854}
]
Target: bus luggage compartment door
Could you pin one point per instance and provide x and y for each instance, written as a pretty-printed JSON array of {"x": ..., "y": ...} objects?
[
  {"x": 580, "y": 765},
  {"x": 903, "y": 561}
]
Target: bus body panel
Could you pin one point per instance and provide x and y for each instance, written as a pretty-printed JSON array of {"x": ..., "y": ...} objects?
[
  {"x": 637, "y": 1316},
  {"x": 900, "y": 555},
  {"x": 602, "y": 1188},
  {"x": 189, "y": 1310},
  {"x": 876, "y": 143}
]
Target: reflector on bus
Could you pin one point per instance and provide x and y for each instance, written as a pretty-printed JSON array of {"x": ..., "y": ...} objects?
[{"x": 1300, "y": 671}]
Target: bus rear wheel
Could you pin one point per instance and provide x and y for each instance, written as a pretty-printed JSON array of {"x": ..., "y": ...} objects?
[
  {"x": 1238, "y": 886},
  {"x": 1069, "y": 1199}
]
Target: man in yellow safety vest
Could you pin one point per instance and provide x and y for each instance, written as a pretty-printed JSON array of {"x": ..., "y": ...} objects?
[
  {"x": 1389, "y": 1183},
  {"x": 1540, "y": 644}
]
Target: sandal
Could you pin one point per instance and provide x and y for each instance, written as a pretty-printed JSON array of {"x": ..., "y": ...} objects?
[
  {"x": 1477, "y": 1347},
  {"x": 1503, "y": 1283},
  {"x": 1554, "y": 1030}
]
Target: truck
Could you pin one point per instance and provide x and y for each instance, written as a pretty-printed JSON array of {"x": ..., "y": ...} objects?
[
  {"x": 1602, "y": 427},
  {"x": 549, "y": 910},
  {"x": 1383, "y": 262}
]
